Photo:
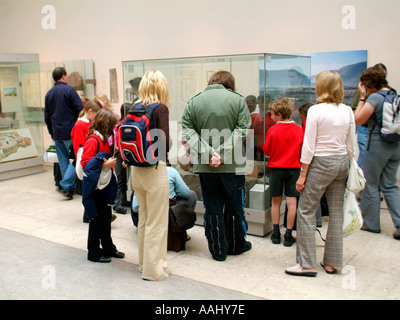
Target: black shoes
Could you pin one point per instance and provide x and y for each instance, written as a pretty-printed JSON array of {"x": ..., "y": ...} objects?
[
  {"x": 118, "y": 255},
  {"x": 289, "y": 240},
  {"x": 396, "y": 234},
  {"x": 246, "y": 247},
  {"x": 105, "y": 259},
  {"x": 120, "y": 209},
  {"x": 68, "y": 193},
  {"x": 86, "y": 219},
  {"x": 370, "y": 230},
  {"x": 102, "y": 259},
  {"x": 276, "y": 238}
]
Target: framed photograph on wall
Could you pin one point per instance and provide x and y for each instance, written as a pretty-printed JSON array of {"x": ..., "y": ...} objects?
[
  {"x": 349, "y": 64},
  {"x": 16, "y": 144}
]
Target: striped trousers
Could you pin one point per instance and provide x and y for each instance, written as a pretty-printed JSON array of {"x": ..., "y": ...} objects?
[{"x": 325, "y": 175}]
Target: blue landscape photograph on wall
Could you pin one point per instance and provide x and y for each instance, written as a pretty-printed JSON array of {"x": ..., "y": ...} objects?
[{"x": 349, "y": 64}]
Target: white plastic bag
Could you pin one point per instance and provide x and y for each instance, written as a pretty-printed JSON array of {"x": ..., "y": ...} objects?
[
  {"x": 352, "y": 218},
  {"x": 78, "y": 166}
]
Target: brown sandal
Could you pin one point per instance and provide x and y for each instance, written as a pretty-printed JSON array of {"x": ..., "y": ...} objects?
[{"x": 328, "y": 271}]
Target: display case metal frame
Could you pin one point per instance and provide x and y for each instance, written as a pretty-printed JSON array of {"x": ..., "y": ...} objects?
[{"x": 21, "y": 112}]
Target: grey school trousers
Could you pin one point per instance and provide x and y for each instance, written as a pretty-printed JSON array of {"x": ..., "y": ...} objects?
[
  {"x": 329, "y": 175},
  {"x": 381, "y": 162}
]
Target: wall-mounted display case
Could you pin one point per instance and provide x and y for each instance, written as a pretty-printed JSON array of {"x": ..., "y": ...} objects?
[
  {"x": 80, "y": 76},
  {"x": 260, "y": 78},
  {"x": 21, "y": 116}
]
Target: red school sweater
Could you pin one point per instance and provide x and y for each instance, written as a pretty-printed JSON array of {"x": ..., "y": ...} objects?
[
  {"x": 283, "y": 145},
  {"x": 79, "y": 133},
  {"x": 92, "y": 147}
]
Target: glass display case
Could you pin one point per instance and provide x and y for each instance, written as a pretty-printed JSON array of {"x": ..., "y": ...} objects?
[
  {"x": 260, "y": 79},
  {"x": 21, "y": 116},
  {"x": 80, "y": 76}
]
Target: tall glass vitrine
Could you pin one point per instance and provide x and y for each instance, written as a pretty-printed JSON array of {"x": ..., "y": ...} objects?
[
  {"x": 21, "y": 115},
  {"x": 260, "y": 79}
]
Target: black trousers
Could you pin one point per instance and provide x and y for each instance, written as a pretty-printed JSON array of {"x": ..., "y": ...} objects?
[
  {"x": 224, "y": 219},
  {"x": 99, "y": 236}
]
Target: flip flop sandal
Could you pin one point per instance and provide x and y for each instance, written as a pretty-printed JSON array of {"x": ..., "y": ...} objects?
[{"x": 327, "y": 270}]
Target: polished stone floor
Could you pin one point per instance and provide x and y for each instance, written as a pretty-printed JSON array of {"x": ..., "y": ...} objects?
[{"x": 43, "y": 256}]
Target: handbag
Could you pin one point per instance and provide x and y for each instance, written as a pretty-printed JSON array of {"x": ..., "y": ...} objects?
[
  {"x": 352, "y": 217},
  {"x": 181, "y": 217},
  {"x": 356, "y": 180}
]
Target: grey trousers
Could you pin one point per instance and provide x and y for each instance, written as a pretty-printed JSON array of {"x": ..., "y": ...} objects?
[
  {"x": 329, "y": 175},
  {"x": 381, "y": 162}
]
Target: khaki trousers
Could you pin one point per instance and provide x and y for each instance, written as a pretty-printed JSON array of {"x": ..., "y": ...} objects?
[
  {"x": 151, "y": 188},
  {"x": 325, "y": 175}
]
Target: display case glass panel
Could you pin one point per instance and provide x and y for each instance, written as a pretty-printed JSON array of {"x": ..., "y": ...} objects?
[
  {"x": 80, "y": 76},
  {"x": 21, "y": 110},
  {"x": 260, "y": 78}
]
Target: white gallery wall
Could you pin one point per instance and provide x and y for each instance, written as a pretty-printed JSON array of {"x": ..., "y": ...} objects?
[{"x": 111, "y": 31}]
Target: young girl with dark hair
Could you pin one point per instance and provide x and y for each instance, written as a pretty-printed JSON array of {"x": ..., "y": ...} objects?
[{"x": 97, "y": 199}]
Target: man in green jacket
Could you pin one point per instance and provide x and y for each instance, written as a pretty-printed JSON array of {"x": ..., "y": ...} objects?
[{"x": 215, "y": 124}]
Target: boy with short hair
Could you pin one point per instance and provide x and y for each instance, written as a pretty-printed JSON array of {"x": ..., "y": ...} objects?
[{"x": 283, "y": 145}]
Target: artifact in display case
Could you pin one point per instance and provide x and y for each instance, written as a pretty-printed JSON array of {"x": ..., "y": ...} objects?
[
  {"x": 260, "y": 79},
  {"x": 80, "y": 76},
  {"x": 21, "y": 116}
]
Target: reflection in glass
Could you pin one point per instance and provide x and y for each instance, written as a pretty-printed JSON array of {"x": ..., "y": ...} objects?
[{"x": 260, "y": 79}]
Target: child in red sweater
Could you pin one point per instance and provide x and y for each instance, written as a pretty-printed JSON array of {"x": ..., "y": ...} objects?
[
  {"x": 81, "y": 129},
  {"x": 283, "y": 145},
  {"x": 100, "y": 245}
]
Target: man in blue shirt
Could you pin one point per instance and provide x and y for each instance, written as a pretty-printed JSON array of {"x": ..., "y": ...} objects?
[{"x": 61, "y": 110}]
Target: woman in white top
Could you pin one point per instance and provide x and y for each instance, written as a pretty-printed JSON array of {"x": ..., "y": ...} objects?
[{"x": 324, "y": 169}]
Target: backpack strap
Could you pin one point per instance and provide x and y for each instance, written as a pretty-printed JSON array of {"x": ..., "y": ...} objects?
[
  {"x": 152, "y": 106},
  {"x": 98, "y": 143}
]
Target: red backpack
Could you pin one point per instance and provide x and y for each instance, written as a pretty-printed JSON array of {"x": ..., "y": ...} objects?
[{"x": 135, "y": 137}]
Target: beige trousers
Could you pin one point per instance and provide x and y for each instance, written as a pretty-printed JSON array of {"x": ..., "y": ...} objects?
[{"x": 151, "y": 188}]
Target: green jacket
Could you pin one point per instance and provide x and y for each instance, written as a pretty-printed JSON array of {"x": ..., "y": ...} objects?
[{"x": 216, "y": 120}]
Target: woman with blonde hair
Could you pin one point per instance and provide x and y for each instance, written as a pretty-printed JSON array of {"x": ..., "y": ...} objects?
[
  {"x": 324, "y": 169},
  {"x": 103, "y": 99},
  {"x": 151, "y": 183}
]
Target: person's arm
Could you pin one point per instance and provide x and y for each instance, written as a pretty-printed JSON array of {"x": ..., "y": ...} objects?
[
  {"x": 194, "y": 143},
  {"x": 162, "y": 119},
  {"x": 268, "y": 144},
  {"x": 89, "y": 151},
  {"x": 47, "y": 115},
  {"x": 76, "y": 101},
  {"x": 301, "y": 181},
  {"x": 238, "y": 134},
  {"x": 309, "y": 140},
  {"x": 364, "y": 109},
  {"x": 78, "y": 136},
  {"x": 181, "y": 189}
]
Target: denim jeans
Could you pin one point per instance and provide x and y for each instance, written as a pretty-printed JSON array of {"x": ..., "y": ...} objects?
[
  {"x": 224, "y": 219},
  {"x": 362, "y": 137},
  {"x": 67, "y": 169}
]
